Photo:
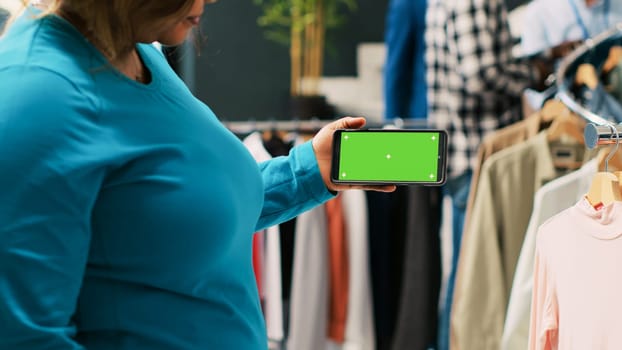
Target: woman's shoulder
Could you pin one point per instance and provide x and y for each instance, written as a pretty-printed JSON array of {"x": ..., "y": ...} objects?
[{"x": 33, "y": 44}]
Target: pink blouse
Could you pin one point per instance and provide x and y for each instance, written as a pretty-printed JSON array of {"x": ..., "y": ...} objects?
[{"x": 577, "y": 295}]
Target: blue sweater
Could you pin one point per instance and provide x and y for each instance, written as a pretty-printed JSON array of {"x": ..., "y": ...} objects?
[{"x": 127, "y": 210}]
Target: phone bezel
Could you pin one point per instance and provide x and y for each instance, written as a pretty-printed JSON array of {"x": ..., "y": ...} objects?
[{"x": 442, "y": 158}]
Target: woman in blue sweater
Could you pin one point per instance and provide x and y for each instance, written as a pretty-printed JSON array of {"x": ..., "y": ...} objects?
[{"x": 126, "y": 208}]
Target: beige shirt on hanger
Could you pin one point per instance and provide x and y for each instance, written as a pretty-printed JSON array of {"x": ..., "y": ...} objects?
[{"x": 510, "y": 136}]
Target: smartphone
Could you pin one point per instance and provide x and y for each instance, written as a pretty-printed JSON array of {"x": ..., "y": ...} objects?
[{"x": 389, "y": 156}]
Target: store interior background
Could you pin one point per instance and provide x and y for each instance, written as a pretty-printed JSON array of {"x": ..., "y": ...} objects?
[{"x": 244, "y": 77}]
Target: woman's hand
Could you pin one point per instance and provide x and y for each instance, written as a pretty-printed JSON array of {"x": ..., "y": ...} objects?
[{"x": 323, "y": 148}]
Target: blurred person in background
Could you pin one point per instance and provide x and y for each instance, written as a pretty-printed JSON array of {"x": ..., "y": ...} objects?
[
  {"x": 553, "y": 28},
  {"x": 404, "y": 70}
]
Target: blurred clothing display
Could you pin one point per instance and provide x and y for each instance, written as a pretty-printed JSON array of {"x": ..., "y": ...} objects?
[{"x": 475, "y": 86}]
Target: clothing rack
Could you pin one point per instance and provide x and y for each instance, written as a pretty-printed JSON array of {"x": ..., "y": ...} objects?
[
  {"x": 314, "y": 125},
  {"x": 597, "y": 135},
  {"x": 599, "y": 131}
]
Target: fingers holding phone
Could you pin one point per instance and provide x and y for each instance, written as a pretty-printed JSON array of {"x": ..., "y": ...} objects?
[{"x": 323, "y": 146}]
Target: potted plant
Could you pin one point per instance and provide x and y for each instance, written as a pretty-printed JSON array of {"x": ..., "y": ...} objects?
[{"x": 301, "y": 25}]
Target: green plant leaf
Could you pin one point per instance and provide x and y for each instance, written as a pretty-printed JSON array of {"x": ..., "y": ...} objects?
[{"x": 280, "y": 19}]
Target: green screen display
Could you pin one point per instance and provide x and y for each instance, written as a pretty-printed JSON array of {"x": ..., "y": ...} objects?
[{"x": 389, "y": 156}]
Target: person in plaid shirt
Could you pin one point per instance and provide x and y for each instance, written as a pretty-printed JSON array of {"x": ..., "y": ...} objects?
[{"x": 474, "y": 88}]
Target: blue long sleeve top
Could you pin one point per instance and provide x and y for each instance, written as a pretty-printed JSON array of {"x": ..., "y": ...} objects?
[{"x": 127, "y": 210}]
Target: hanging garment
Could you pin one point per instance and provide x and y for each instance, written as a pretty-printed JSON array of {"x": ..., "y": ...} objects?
[
  {"x": 360, "y": 318},
  {"x": 387, "y": 220},
  {"x": 417, "y": 316},
  {"x": 338, "y": 270},
  {"x": 577, "y": 289},
  {"x": 509, "y": 136},
  {"x": 271, "y": 279},
  {"x": 258, "y": 261},
  {"x": 502, "y": 139},
  {"x": 279, "y": 144},
  {"x": 550, "y": 199},
  {"x": 490, "y": 249},
  {"x": 273, "y": 302},
  {"x": 308, "y": 319},
  {"x": 359, "y": 328}
]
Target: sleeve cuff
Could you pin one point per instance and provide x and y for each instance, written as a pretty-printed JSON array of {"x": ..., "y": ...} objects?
[{"x": 307, "y": 169}]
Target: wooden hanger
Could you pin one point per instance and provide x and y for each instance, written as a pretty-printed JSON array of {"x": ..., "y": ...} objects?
[
  {"x": 552, "y": 109},
  {"x": 614, "y": 163},
  {"x": 563, "y": 136},
  {"x": 604, "y": 190},
  {"x": 566, "y": 128},
  {"x": 605, "y": 186}
]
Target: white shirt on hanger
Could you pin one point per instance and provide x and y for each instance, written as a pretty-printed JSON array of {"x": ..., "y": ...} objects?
[{"x": 360, "y": 334}]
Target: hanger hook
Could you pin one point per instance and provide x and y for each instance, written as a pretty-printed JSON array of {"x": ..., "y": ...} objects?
[{"x": 614, "y": 149}]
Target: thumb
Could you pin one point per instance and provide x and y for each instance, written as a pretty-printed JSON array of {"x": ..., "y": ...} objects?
[
  {"x": 323, "y": 139},
  {"x": 349, "y": 123}
]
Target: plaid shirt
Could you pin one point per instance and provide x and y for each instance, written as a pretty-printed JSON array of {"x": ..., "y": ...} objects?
[{"x": 474, "y": 82}]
